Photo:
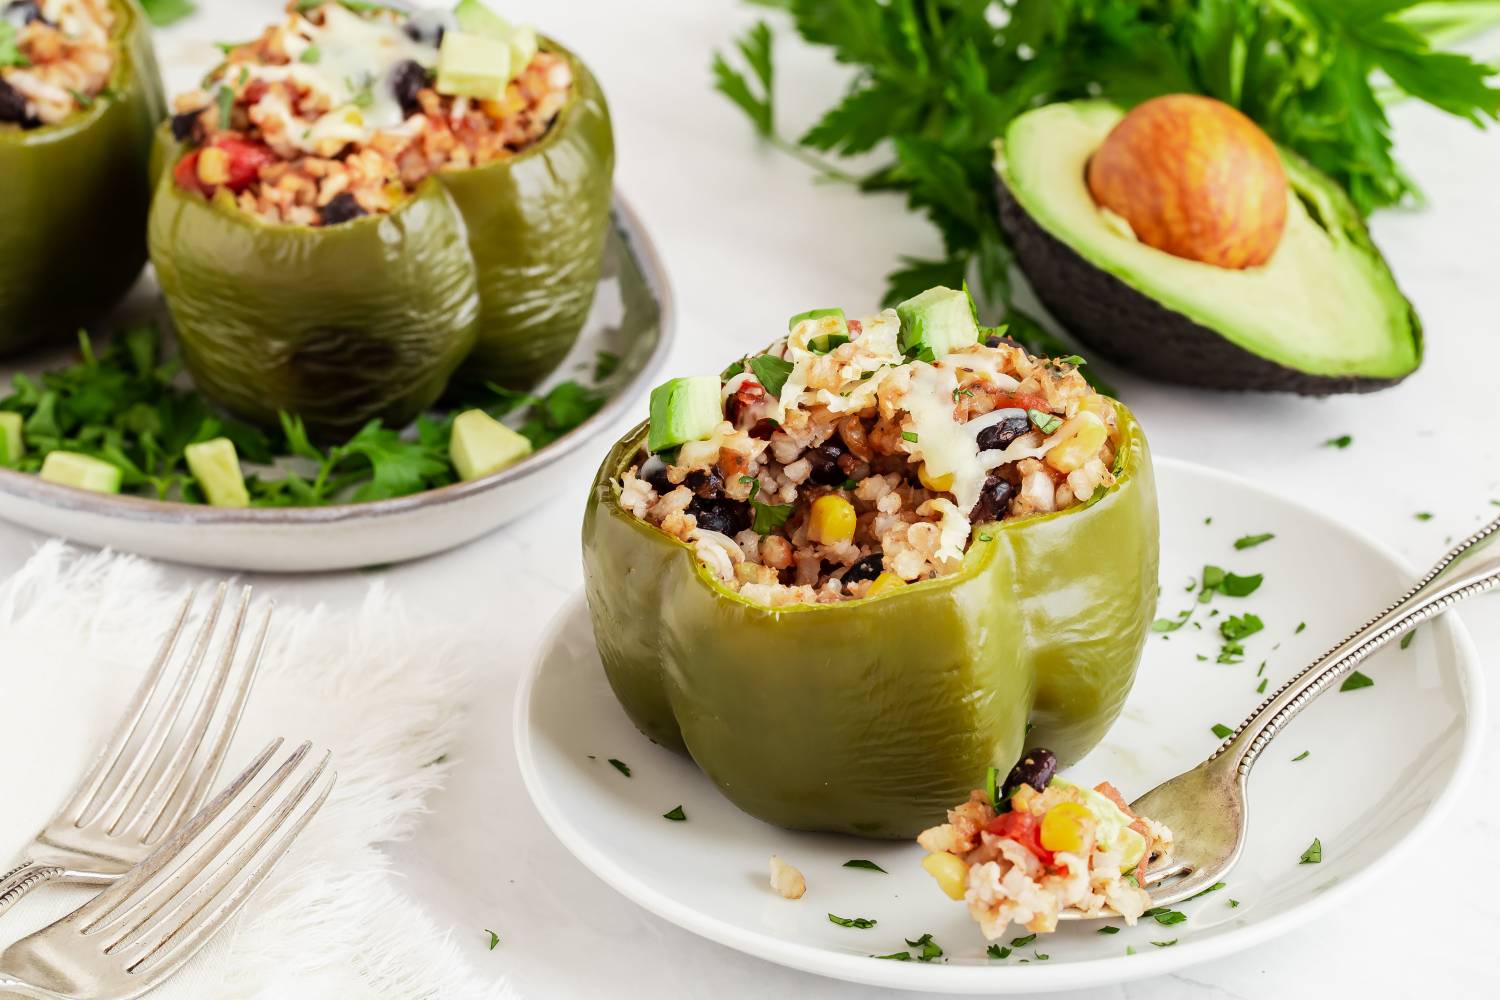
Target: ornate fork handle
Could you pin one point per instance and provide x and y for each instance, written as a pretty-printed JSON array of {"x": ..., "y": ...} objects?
[
  {"x": 21, "y": 880},
  {"x": 1469, "y": 568}
]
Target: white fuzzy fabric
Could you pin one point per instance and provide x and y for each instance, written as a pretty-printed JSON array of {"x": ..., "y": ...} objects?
[{"x": 383, "y": 692}]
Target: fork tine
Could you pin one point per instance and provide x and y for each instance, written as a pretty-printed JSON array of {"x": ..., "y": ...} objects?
[
  {"x": 125, "y": 787},
  {"x": 145, "y": 812},
  {"x": 89, "y": 787},
  {"x": 111, "y": 898},
  {"x": 151, "y": 943},
  {"x": 188, "y": 799}
]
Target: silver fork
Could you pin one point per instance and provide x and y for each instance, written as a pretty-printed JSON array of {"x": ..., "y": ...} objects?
[
  {"x": 134, "y": 796},
  {"x": 140, "y": 930},
  {"x": 1207, "y": 809}
]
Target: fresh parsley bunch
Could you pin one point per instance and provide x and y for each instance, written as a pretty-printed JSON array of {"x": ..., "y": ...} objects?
[{"x": 937, "y": 80}]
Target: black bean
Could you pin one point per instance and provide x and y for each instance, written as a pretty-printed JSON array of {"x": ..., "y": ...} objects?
[
  {"x": 655, "y": 473},
  {"x": 343, "y": 208},
  {"x": 187, "y": 127},
  {"x": 867, "y": 568},
  {"x": 721, "y": 514},
  {"x": 23, "y": 12},
  {"x": 13, "y": 106},
  {"x": 705, "y": 484},
  {"x": 406, "y": 79},
  {"x": 994, "y": 341},
  {"x": 824, "y": 460},
  {"x": 999, "y": 435},
  {"x": 427, "y": 27},
  {"x": 994, "y": 501},
  {"x": 1035, "y": 768}
]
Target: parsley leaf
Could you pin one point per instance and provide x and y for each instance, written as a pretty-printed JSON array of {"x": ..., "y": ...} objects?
[
  {"x": 866, "y": 865},
  {"x": 1314, "y": 853},
  {"x": 930, "y": 948},
  {"x": 862, "y": 923},
  {"x": 1222, "y": 731},
  {"x": 1250, "y": 541},
  {"x": 1237, "y": 627},
  {"x": 1355, "y": 681},
  {"x": 10, "y": 46},
  {"x": 1342, "y": 441},
  {"x": 494, "y": 938},
  {"x": 675, "y": 814},
  {"x": 1108, "y": 929},
  {"x": 770, "y": 372},
  {"x": 1301, "y": 756},
  {"x": 620, "y": 765},
  {"x": 997, "y": 953},
  {"x": 769, "y": 516}
]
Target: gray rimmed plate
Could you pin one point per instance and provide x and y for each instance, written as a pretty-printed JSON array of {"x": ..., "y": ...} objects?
[{"x": 632, "y": 317}]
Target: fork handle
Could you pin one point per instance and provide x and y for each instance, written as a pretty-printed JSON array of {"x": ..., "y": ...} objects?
[
  {"x": 1468, "y": 569},
  {"x": 21, "y": 880}
]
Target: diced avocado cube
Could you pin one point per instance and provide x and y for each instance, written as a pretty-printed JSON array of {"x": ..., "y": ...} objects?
[
  {"x": 69, "y": 468},
  {"x": 936, "y": 322},
  {"x": 473, "y": 66},
  {"x": 216, "y": 466},
  {"x": 481, "y": 445},
  {"x": 476, "y": 18},
  {"x": 683, "y": 410},
  {"x": 833, "y": 329},
  {"x": 523, "y": 48},
  {"x": 12, "y": 445}
]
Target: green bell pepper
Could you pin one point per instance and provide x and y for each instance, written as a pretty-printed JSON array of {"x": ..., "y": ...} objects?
[
  {"x": 73, "y": 199},
  {"x": 370, "y": 318},
  {"x": 872, "y": 717}
]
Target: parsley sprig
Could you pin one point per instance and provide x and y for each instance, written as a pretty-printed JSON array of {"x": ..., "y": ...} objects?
[{"x": 936, "y": 80}]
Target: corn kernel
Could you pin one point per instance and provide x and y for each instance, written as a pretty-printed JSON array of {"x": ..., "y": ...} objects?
[
  {"x": 832, "y": 520},
  {"x": 884, "y": 584},
  {"x": 1078, "y": 441},
  {"x": 213, "y": 166},
  {"x": 937, "y": 484},
  {"x": 950, "y": 871},
  {"x": 1064, "y": 827}
]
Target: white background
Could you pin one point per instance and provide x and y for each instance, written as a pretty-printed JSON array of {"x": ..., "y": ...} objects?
[{"x": 749, "y": 239}]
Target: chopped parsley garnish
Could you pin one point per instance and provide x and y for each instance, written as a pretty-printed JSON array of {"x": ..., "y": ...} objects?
[
  {"x": 899, "y": 956},
  {"x": 867, "y": 865},
  {"x": 1022, "y": 942},
  {"x": 1213, "y": 888},
  {"x": 735, "y": 368},
  {"x": 1301, "y": 756},
  {"x": 1301, "y": 627},
  {"x": 621, "y": 766},
  {"x": 769, "y": 516},
  {"x": 1423, "y": 515},
  {"x": 1208, "y": 520},
  {"x": 1222, "y": 731},
  {"x": 849, "y": 485},
  {"x": 1342, "y": 441},
  {"x": 1314, "y": 853},
  {"x": 930, "y": 948},
  {"x": 754, "y": 486},
  {"x": 1164, "y": 916},
  {"x": 1251, "y": 541},
  {"x": 1355, "y": 681},
  {"x": 1047, "y": 423},
  {"x": 1165, "y": 944},
  {"x": 985, "y": 536},
  {"x": 1232, "y": 903},
  {"x": 310, "y": 55},
  {"x": 1071, "y": 359},
  {"x": 676, "y": 815},
  {"x": 861, "y": 923},
  {"x": 10, "y": 46},
  {"x": 606, "y": 363},
  {"x": 494, "y": 939},
  {"x": 997, "y": 953},
  {"x": 225, "y": 97},
  {"x": 1237, "y": 627},
  {"x": 1261, "y": 687},
  {"x": 992, "y": 787},
  {"x": 1172, "y": 624},
  {"x": 1111, "y": 929},
  {"x": 1040, "y": 957},
  {"x": 770, "y": 372},
  {"x": 1234, "y": 585},
  {"x": 1407, "y": 638},
  {"x": 909, "y": 436}
]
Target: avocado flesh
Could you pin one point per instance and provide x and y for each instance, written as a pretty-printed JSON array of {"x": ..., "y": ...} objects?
[{"x": 1323, "y": 315}]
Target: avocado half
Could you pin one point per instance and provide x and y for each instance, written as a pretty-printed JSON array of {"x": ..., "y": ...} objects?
[{"x": 1322, "y": 316}]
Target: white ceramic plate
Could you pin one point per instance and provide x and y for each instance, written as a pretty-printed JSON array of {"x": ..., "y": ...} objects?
[
  {"x": 632, "y": 317},
  {"x": 1385, "y": 762}
]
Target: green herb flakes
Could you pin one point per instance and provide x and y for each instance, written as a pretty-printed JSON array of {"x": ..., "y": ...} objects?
[
  {"x": 909, "y": 436},
  {"x": 1355, "y": 681},
  {"x": 866, "y": 865},
  {"x": 1261, "y": 687},
  {"x": 1342, "y": 441},
  {"x": 1164, "y": 944},
  {"x": 1213, "y": 888},
  {"x": 1314, "y": 853},
  {"x": 620, "y": 765},
  {"x": 754, "y": 484},
  {"x": 1109, "y": 929},
  {"x": 1301, "y": 756},
  {"x": 769, "y": 516},
  {"x": 225, "y": 98},
  {"x": 860, "y": 923},
  {"x": 494, "y": 939},
  {"x": 1232, "y": 903},
  {"x": 770, "y": 372},
  {"x": 1423, "y": 515},
  {"x": 1022, "y": 942},
  {"x": 1047, "y": 423},
  {"x": 992, "y": 787},
  {"x": 1406, "y": 639},
  {"x": 997, "y": 953},
  {"x": 676, "y": 815},
  {"x": 10, "y": 46},
  {"x": 1222, "y": 731},
  {"x": 311, "y": 55},
  {"x": 899, "y": 956},
  {"x": 1251, "y": 541},
  {"x": 930, "y": 948}
]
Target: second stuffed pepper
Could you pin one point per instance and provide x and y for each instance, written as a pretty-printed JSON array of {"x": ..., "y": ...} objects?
[
  {"x": 851, "y": 573},
  {"x": 79, "y": 99},
  {"x": 361, "y": 200}
]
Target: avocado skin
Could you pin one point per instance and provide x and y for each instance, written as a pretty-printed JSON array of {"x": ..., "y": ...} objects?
[{"x": 1138, "y": 333}]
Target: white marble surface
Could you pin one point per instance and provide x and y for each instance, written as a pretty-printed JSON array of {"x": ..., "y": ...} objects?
[{"x": 748, "y": 239}]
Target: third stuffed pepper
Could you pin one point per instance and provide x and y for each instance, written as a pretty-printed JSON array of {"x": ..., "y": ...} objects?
[
  {"x": 362, "y": 199},
  {"x": 849, "y": 574}
]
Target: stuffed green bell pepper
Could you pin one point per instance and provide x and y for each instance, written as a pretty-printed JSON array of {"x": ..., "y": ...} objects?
[
  {"x": 79, "y": 98},
  {"x": 362, "y": 200},
  {"x": 849, "y": 574}
]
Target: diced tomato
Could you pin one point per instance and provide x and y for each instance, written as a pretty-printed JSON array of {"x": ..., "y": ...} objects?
[
  {"x": 856, "y": 327},
  {"x": 1024, "y": 829},
  {"x": 245, "y": 161},
  {"x": 1023, "y": 400},
  {"x": 186, "y": 172}
]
